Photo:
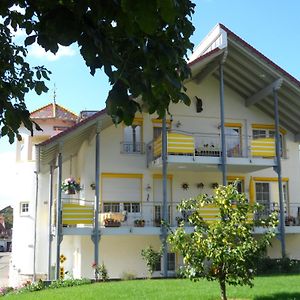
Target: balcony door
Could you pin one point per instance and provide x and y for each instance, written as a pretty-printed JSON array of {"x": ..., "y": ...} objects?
[
  {"x": 233, "y": 140},
  {"x": 268, "y": 196}
]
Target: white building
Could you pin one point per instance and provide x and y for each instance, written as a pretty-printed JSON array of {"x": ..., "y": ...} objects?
[{"x": 121, "y": 167}]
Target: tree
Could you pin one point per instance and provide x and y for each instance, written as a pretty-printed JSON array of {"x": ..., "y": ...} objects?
[
  {"x": 151, "y": 258},
  {"x": 224, "y": 250},
  {"x": 16, "y": 79},
  {"x": 141, "y": 45}
]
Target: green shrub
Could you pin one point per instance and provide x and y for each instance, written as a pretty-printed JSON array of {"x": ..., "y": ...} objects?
[
  {"x": 68, "y": 282},
  {"x": 267, "y": 265},
  {"x": 5, "y": 290}
]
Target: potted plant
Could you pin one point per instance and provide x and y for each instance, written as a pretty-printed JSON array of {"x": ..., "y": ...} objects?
[
  {"x": 290, "y": 220},
  {"x": 109, "y": 222},
  {"x": 70, "y": 186},
  {"x": 139, "y": 223}
]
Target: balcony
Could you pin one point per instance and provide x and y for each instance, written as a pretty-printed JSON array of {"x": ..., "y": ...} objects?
[
  {"x": 188, "y": 150},
  {"x": 132, "y": 148},
  {"x": 78, "y": 218}
]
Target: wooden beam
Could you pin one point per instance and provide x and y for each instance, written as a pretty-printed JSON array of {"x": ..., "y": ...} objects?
[
  {"x": 266, "y": 91},
  {"x": 208, "y": 70},
  {"x": 211, "y": 67}
]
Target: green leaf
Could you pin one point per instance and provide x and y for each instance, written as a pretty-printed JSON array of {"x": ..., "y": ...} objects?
[
  {"x": 167, "y": 10},
  {"x": 30, "y": 40}
]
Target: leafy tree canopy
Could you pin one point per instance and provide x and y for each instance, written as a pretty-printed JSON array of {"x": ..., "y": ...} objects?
[
  {"x": 224, "y": 250},
  {"x": 141, "y": 45}
]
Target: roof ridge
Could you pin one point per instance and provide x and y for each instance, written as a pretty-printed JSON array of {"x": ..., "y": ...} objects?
[
  {"x": 76, "y": 125},
  {"x": 57, "y": 105}
]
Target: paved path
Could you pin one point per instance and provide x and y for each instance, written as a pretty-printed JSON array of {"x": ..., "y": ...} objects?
[{"x": 4, "y": 267}]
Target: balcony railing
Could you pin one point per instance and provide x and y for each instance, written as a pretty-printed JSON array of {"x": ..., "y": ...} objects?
[
  {"x": 132, "y": 148},
  {"x": 78, "y": 213},
  {"x": 197, "y": 144}
]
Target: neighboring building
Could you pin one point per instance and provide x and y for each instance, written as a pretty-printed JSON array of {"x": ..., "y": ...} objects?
[
  {"x": 121, "y": 167},
  {"x": 5, "y": 229},
  {"x": 53, "y": 119}
]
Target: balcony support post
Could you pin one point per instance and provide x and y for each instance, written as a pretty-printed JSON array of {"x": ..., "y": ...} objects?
[
  {"x": 58, "y": 232},
  {"x": 50, "y": 235},
  {"x": 222, "y": 117},
  {"x": 96, "y": 232},
  {"x": 278, "y": 171},
  {"x": 164, "y": 231}
]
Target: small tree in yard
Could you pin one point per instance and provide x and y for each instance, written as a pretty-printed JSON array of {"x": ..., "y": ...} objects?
[
  {"x": 151, "y": 258},
  {"x": 223, "y": 250}
]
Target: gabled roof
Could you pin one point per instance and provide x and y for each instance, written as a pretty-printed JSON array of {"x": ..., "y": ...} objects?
[
  {"x": 53, "y": 110},
  {"x": 252, "y": 75},
  {"x": 246, "y": 70}
]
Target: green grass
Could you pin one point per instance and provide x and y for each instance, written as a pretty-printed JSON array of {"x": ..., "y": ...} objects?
[{"x": 285, "y": 287}]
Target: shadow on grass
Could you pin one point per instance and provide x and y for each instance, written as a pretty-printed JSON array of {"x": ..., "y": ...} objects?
[{"x": 280, "y": 296}]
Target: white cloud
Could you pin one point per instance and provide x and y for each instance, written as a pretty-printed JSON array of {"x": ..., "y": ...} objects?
[{"x": 37, "y": 51}]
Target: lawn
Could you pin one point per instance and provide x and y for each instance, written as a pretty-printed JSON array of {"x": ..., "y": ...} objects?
[{"x": 285, "y": 287}]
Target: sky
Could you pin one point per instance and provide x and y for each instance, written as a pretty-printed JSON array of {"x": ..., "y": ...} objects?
[{"x": 271, "y": 26}]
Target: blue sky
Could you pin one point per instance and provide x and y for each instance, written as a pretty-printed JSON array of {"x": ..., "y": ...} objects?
[{"x": 271, "y": 26}]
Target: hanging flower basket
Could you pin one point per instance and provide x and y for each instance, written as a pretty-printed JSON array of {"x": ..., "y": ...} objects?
[{"x": 70, "y": 186}]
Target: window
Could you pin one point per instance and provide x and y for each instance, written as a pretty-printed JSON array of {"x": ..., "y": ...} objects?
[
  {"x": 258, "y": 133},
  {"x": 133, "y": 142},
  {"x": 157, "y": 127},
  {"x": 24, "y": 208},
  {"x": 233, "y": 134},
  {"x": 111, "y": 207},
  {"x": 263, "y": 198},
  {"x": 121, "y": 192},
  {"x": 158, "y": 214},
  {"x": 171, "y": 263},
  {"x": 132, "y": 207},
  {"x": 240, "y": 183}
]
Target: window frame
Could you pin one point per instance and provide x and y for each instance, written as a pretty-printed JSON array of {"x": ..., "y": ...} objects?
[
  {"x": 239, "y": 127},
  {"x": 26, "y": 211},
  {"x": 270, "y": 133},
  {"x": 127, "y": 147}
]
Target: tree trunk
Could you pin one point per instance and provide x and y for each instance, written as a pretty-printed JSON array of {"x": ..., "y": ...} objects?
[{"x": 223, "y": 288}]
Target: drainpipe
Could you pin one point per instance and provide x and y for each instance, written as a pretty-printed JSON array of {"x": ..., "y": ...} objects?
[
  {"x": 223, "y": 141},
  {"x": 35, "y": 222},
  {"x": 165, "y": 200},
  {"x": 50, "y": 236},
  {"x": 58, "y": 215},
  {"x": 278, "y": 171},
  {"x": 96, "y": 232}
]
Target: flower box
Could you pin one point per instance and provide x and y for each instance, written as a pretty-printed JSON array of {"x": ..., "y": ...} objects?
[
  {"x": 111, "y": 223},
  {"x": 139, "y": 223}
]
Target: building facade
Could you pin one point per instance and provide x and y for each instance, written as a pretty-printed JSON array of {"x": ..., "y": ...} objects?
[{"x": 242, "y": 123}]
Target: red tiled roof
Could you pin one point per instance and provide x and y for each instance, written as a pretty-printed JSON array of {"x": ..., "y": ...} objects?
[
  {"x": 72, "y": 128},
  {"x": 52, "y": 110}
]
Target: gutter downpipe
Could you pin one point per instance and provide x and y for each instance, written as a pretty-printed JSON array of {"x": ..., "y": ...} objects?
[
  {"x": 278, "y": 171},
  {"x": 35, "y": 222},
  {"x": 222, "y": 117},
  {"x": 50, "y": 236},
  {"x": 58, "y": 215},
  {"x": 164, "y": 232},
  {"x": 96, "y": 233}
]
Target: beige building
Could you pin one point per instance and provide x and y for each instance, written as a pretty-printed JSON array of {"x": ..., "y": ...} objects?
[{"x": 121, "y": 167}]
